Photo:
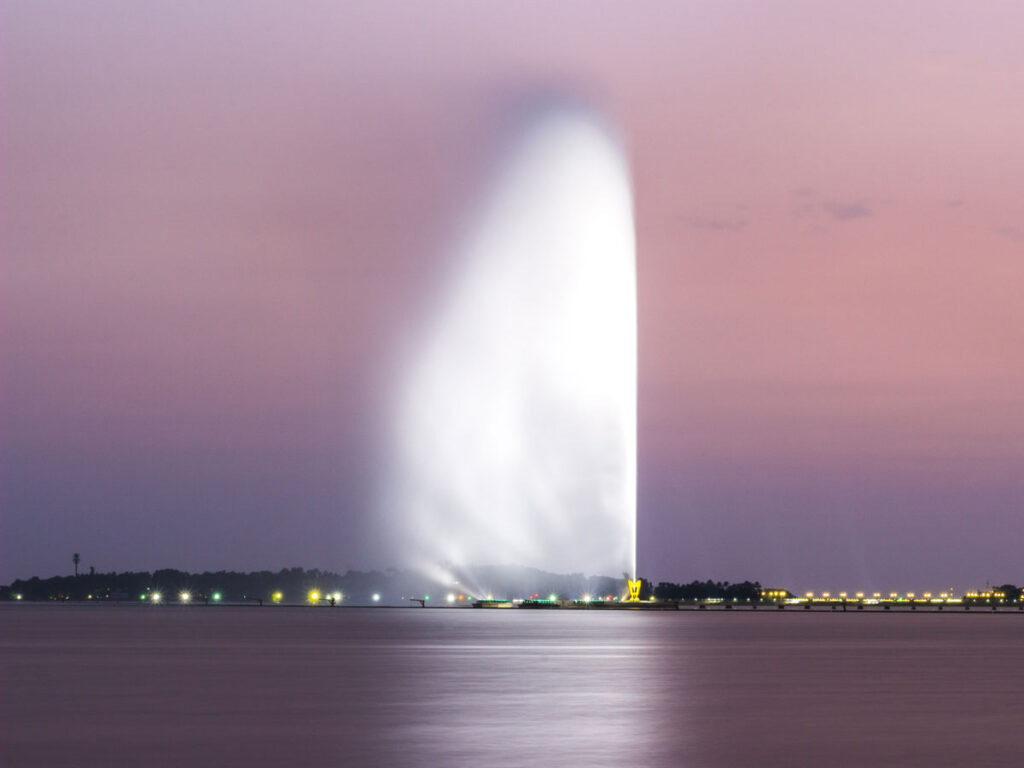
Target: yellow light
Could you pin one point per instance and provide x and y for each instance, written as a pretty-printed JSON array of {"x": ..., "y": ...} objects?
[
  {"x": 826, "y": 594},
  {"x": 893, "y": 595},
  {"x": 314, "y": 596},
  {"x": 860, "y": 594},
  {"x": 842, "y": 594},
  {"x": 277, "y": 597},
  {"x": 810, "y": 595},
  {"x": 634, "y": 590},
  {"x": 184, "y": 596},
  {"x": 877, "y": 594}
]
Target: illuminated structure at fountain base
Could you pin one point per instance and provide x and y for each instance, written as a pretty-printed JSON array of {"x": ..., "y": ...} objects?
[
  {"x": 633, "y": 585},
  {"x": 515, "y": 424}
]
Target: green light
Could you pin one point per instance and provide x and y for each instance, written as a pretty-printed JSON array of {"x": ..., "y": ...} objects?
[
  {"x": 216, "y": 596},
  {"x": 141, "y": 597},
  {"x": 426, "y": 597}
]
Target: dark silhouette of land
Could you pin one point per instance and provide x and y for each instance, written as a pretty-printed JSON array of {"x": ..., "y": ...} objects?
[
  {"x": 394, "y": 587},
  {"x": 298, "y": 585}
]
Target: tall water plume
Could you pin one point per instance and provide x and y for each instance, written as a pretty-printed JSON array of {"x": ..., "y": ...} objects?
[{"x": 515, "y": 422}]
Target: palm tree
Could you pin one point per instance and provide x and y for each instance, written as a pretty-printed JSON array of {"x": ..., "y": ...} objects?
[{"x": 75, "y": 558}]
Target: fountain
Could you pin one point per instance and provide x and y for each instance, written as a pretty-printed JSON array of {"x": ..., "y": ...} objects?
[{"x": 514, "y": 434}]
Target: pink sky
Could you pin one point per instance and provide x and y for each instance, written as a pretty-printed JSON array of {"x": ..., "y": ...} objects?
[{"x": 216, "y": 216}]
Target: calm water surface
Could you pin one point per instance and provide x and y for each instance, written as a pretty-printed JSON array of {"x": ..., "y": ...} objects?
[{"x": 223, "y": 686}]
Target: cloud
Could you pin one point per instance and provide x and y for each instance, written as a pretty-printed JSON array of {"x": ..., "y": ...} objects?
[
  {"x": 808, "y": 203},
  {"x": 1012, "y": 233},
  {"x": 846, "y": 211},
  {"x": 716, "y": 224}
]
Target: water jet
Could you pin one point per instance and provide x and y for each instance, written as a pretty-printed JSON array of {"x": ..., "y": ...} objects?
[{"x": 514, "y": 425}]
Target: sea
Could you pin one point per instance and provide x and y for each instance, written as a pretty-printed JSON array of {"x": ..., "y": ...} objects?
[{"x": 141, "y": 685}]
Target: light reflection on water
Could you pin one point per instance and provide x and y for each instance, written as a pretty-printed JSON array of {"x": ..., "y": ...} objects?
[{"x": 106, "y": 685}]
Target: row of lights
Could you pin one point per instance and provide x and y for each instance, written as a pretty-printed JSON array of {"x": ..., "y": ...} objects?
[
  {"x": 315, "y": 596},
  {"x": 878, "y": 595},
  {"x": 183, "y": 597}
]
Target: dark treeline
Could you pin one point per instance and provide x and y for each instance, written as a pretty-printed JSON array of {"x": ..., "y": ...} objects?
[
  {"x": 392, "y": 586},
  {"x": 746, "y": 591},
  {"x": 296, "y": 584}
]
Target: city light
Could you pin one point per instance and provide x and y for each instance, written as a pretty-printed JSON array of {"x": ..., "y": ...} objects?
[
  {"x": 552, "y": 596},
  {"x": 376, "y": 597},
  {"x": 337, "y": 597},
  {"x": 451, "y": 598},
  {"x": 184, "y": 596},
  {"x": 17, "y": 597},
  {"x": 155, "y": 597}
]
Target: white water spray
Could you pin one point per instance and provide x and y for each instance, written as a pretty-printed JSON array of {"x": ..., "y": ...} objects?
[{"x": 515, "y": 426}]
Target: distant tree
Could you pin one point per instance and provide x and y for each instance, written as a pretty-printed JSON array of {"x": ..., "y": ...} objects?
[
  {"x": 1011, "y": 591},
  {"x": 75, "y": 558}
]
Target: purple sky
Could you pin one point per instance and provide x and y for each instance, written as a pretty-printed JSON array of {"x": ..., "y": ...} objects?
[{"x": 217, "y": 215}]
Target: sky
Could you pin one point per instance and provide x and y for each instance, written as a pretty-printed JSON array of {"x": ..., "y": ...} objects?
[{"x": 216, "y": 218}]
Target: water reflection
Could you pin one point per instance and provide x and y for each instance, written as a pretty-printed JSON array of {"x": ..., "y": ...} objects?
[
  {"x": 105, "y": 685},
  {"x": 527, "y": 690}
]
